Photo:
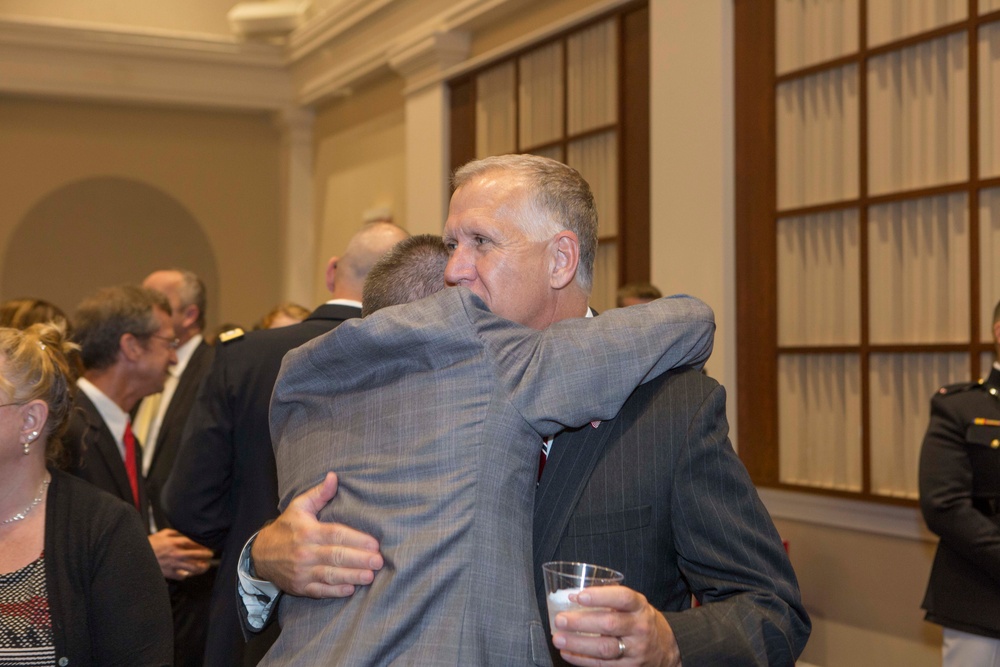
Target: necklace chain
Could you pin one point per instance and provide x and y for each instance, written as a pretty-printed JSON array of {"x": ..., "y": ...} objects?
[{"x": 34, "y": 503}]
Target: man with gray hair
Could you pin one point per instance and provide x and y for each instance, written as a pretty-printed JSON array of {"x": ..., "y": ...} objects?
[
  {"x": 159, "y": 425},
  {"x": 412, "y": 270},
  {"x": 655, "y": 492},
  {"x": 126, "y": 344}
]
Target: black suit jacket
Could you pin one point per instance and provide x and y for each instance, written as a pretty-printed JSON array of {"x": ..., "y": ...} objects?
[
  {"x": 168, "y": 441},
  {"x": 224, "y": 485},
  {"x": 960, "y": 500},
  {"x": 95, "y": 456},
  {"x": 659, "y": 494}
]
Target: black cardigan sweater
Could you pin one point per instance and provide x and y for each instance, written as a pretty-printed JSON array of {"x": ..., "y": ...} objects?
[{"x": 107, "y": 597}]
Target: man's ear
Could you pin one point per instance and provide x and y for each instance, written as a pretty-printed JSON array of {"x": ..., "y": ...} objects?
[
  {"x": 331, "y": 273},
  {"x": 565, "y": 259},
  {"x": 191, "y": 314},
  {"x": 130, "y": 348}
]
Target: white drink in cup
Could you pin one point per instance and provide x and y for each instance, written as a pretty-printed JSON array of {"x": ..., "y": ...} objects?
[{"x": 563, "y": 578}]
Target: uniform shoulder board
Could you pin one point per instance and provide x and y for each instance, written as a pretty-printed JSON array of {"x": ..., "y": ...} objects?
[
  {"x": 231, "y": 335},
  {"x": 959, "y": 387}
]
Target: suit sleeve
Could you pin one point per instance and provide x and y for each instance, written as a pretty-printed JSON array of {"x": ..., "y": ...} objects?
[
  {"x": 731, "y": 556},
  {"x": 946, "y": 486},
  {"x": 196, "y": 495},
  {"x": 128, "y": 587},
  {"x": 584, "y": 369}
]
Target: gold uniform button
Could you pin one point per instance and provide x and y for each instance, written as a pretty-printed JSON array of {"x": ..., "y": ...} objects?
[{"x": 995, "y": 443}]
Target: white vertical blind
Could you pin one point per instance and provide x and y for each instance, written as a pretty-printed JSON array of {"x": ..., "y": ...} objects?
[
  {"x": 495, "y": 112},
  {"x": 818, "y": 280},
  {"x": 918, "y": 116},
  {"x": 596, "y": 158},
  {"x": 592, "y": 77},
  {"x": 541, "y": 96},
  {"x": 989, "y": 99},
  {"x": 988, "y": 6},
  {"x": 812, "y": 31},
  {"x": 901, "y": 387},
  {"x": 819, "y": 417},
  {"x": 989, "y": 259},
  {"x": 919, "y": 271},
  {"x": 817, "y": 151},
  {"x": 894, "y": 19}
]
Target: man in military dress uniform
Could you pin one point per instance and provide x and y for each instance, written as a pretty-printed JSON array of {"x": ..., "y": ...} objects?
[{"x": 960, "y": 500}]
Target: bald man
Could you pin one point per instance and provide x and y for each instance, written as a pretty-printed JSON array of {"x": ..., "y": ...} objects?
[{"x": 224, "y": 485}]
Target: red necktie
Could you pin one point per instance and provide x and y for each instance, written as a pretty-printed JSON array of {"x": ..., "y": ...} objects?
[{"x": 130, "y": 463}]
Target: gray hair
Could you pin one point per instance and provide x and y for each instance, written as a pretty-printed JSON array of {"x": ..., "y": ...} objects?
[{"x": 557, "y": 198}]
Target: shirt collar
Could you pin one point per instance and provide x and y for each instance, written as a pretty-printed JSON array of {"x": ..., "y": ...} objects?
[
  {"x": 114, "y": 417},
  {"x": 184, "y": 353},
  {"x": 344, "y": 302}
]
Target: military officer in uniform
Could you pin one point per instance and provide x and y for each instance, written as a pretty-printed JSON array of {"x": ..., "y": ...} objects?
[{"x": 960, "y": 501}]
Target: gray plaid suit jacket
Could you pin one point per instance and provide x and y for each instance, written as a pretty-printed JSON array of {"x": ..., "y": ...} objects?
[{"x": 432, "y": 415}]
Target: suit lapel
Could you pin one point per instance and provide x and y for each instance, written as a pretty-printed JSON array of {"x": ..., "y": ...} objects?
[
  {"x": 573, "y": 458},
  {"x": 101, "y": 441},
  {"x": 188, "y": 382}
]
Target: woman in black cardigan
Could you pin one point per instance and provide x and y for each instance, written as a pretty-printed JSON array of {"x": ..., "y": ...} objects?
[{"x": 79, "y": 584}]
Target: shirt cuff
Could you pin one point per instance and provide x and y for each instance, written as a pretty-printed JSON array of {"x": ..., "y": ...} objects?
[{"x": 259, "y": 597}]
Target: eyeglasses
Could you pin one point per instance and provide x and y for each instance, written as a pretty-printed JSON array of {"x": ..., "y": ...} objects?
[
  {"x": 172, "y": 343},
  {"x": 7, "y": 405}
]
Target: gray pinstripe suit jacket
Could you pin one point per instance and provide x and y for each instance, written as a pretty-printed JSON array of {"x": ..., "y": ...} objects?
[
  {"x": 659, "y": 494},
  {"x": 431, "y": 414}
]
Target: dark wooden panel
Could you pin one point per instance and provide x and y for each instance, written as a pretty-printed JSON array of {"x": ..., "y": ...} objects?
[
  {"x": 634, "y": 249},
  {"x": 756, "y": 252},
  {"x": 463, "y": 121}
]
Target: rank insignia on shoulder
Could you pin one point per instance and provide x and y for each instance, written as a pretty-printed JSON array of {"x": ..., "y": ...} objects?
[
  {"x": 231, "y": 335},
  {"x": 955, "y": 388},
  {"x": 983, "y": 421}
]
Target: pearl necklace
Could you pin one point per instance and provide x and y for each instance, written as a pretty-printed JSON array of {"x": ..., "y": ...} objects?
[{"x": 33, "y": 505}]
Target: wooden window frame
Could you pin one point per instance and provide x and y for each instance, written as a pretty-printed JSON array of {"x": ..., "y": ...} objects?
[{"x": 757, "y": 213}]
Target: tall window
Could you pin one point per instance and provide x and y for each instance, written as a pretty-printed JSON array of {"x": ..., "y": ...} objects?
[
  {"x": 868, "y": 227},
  {"x": 582, "y": 98}
]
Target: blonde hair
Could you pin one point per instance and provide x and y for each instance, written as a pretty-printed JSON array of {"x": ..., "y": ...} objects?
[{"x": 36, "y": 366}]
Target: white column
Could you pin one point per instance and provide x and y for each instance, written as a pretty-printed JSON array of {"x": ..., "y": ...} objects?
[
  {"x": 300, "y": 262},
  {"x": 427, "y": 126}
]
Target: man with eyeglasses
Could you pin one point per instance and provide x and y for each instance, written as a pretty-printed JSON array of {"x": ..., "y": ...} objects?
[{"x": 127, "y": 344}]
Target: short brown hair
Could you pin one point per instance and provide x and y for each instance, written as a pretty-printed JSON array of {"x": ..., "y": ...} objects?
[
  {"x": 413, "y": 269},
  {"x": 103, "y": 318}
]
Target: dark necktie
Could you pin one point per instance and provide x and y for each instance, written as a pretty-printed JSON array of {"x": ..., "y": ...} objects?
[{"x": 130, "y": 463}]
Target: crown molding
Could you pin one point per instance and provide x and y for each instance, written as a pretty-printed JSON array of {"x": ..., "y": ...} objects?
[
  {"x": 69, "y": 59},
  {"x": 330, "y": 24}
]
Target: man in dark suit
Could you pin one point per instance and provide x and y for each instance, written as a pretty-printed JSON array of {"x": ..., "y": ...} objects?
[
  {"x": 960, "y": 500},
  {"x": 159, "y": 423},
  {"x": 126, "y": 344},
  {"x": 657, "y": 492},
  {"x": 224, "y": 484}
]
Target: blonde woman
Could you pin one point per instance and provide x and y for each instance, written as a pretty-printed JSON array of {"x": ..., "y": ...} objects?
[{"x": 79, "y": 584}]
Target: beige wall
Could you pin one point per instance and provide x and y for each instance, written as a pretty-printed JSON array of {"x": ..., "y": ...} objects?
[
  {"x": 863, "y": 592},
  {"x": 359, "y": 165},
  {"x": 221, "y": 168}
]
